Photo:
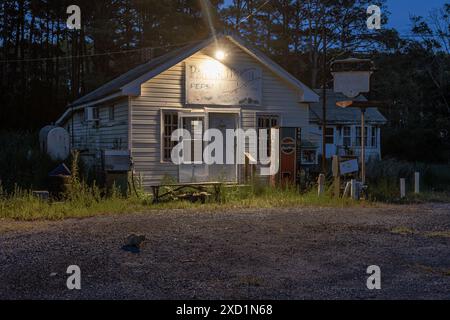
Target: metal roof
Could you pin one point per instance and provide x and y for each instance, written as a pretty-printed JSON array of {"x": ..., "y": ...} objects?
[
  {"x": 337, "y": 115},
  {"x": 116, "y": 84},
  {"x": 129, "y": 84}
]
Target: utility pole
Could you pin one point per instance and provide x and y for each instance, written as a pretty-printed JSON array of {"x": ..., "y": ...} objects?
[
  {"x": 324, "y": 106},
  {"x": 363, "y": 146}
]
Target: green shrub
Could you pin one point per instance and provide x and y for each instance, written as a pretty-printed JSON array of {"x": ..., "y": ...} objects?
[
  {"x": 21, "y": 161},
  {"x": 384, "y": 176}
]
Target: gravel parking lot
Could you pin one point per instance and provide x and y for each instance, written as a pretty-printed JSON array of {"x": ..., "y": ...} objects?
[{"x": 301, "y": 253}]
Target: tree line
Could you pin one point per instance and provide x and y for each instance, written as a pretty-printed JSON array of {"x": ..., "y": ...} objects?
[{"x": 44, "y": 65}]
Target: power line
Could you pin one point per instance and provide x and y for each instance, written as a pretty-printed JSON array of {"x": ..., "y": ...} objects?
[
  {"x": 404, "y": 36},
  {"x": 253, "y": 13},
  {"x": 94, "y": 54}
]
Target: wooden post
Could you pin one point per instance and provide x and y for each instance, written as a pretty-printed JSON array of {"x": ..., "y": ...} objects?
[
  {"x": 417, "y": 183},
  {"x": 337, "y": 177},
  {"x": 155, "y": 190},
  {"x": 354, "y": 190},
  {"x": 363, "y": 146},
  {"x": 321, "y": 182},
  {"x": 324, "y": 103},
  {"x": 347, "y": 191},
  {"x": 402, "y": 188}
]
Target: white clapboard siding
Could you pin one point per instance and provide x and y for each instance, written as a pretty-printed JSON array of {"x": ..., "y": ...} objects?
[
  {"x": 91, "y": 139},
  {"x": 167, "y": 91}
]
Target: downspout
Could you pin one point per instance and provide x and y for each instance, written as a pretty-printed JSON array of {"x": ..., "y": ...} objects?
[{"x": 130, "y": 125}]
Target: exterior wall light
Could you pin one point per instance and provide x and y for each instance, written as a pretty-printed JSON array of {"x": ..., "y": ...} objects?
[{"x": 220, "y": 55}]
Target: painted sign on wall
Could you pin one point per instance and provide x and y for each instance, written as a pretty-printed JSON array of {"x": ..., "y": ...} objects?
[{"x": 210, "y": 82}]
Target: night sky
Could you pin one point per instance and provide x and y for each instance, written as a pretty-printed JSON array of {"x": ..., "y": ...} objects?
[{"x": 402, "y": 9}]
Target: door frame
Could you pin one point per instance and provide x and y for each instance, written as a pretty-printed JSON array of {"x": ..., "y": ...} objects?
[
  {"x": 183, "y": 114},
  {"x": 238, "y": 118},
  {"x": 205, "y": 113}
]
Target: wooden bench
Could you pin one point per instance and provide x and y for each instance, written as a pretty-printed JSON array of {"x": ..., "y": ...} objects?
[{"x": 201, "y": 187}]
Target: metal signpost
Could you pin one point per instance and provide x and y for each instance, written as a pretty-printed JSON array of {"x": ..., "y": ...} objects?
[{"x": 352, "y": 77}]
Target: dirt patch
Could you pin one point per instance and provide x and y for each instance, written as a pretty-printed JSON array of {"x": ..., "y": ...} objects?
[{"x": 297, "y": 253}]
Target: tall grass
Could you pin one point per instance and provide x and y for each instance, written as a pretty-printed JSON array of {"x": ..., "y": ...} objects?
[
  {"x": 85, "y": 201},
  {"x": 23, "y": 206},
  {"x": 23, "y": 167},
  {"x": 269, "y": 197}
]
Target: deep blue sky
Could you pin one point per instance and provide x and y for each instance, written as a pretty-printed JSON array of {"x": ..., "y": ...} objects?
[{"x": 402, "y": 9}]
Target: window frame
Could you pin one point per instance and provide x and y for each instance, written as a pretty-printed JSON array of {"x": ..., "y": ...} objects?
[
  {"x": 112, "y": 113},
  {"x": 194, "y": 118},
  {"x": 268, "y": 118},
  {"x": 167, "y": 138},
  {"x": 374, "y": 137},
  {"x": 347, "y": 136},
  {"x": 312, "y": 152},
  {"x": 358, "y": 135},
  {"x": 327, "y": 135}
]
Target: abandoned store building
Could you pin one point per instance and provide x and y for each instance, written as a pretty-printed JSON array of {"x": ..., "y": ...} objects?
[{"x": 237, "y": 87}]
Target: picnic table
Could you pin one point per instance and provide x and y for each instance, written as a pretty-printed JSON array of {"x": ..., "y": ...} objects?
[{"x": 199, "y": 187}]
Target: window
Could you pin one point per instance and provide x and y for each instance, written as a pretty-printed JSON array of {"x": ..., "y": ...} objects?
[
  {"x": 85, "y": 115},
  {"x": 91, "y": 114},
  {"x": 112, "y": 113},
  {"x": 374, "y": 136},
  {"x": 195, "y": 125},
  {"x": 309, "y": 157},
  {"x": 347, "y": 136},
  {"x": 359, "y": 136},
  {"x": 268, "y": 122},
  {"x": 169, "y": 126},
  {"x": 329, "y": 136},
  {"x": 95, "y": 113}
]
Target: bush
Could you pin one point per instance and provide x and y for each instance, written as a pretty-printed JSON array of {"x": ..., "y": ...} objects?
[
  {"x": 384, "y": 176},
  {"x": 22, "y": 164},
  {"x": 416, "y": 144}
]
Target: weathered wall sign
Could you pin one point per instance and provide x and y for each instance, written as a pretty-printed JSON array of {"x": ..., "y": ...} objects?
[{"x": 213, "y": 83}]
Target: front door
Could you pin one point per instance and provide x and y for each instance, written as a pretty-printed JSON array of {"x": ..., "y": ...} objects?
[
  {"x": 194, "y": 171},
  {"x": 224, "y": 172}
]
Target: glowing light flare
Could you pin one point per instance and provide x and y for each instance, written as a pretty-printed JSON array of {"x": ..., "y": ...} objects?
[
  {"x": 213, "y": 69},
  {"x": 220, "y": 55}
]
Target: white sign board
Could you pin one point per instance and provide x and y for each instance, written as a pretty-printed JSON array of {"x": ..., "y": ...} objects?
[
  {"x": 210, "y": 82},
  {"x": 352, "y": 84},
  {"x": 350, "y": 166}
]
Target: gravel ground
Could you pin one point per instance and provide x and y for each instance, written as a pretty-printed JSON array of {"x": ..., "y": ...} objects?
[{"x": 301, "y": 253}]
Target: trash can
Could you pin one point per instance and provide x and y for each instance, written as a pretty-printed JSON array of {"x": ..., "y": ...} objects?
[{"x": 59, "y": 182}]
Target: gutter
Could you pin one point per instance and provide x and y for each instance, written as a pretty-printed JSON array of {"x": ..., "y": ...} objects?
[{"x": 72, "y": 107}]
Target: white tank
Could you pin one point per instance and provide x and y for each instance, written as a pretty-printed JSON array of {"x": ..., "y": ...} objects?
[{"x": 55, "y": 141}]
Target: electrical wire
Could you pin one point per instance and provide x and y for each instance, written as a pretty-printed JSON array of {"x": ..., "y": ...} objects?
[
  {"x": 94, "y": 54},
  {"x": 253, "y": 13}
]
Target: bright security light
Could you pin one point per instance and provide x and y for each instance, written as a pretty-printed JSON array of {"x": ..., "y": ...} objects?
[{"x": 220, "y": 55}]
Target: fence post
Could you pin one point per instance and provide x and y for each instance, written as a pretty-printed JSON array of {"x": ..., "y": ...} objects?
[
  {"x": 417, "y": 183},
  {"x": 321, "y": 181},
  {"x": 347, "y": 191},
  {"x": 354, "y": 190},
  {"x": 402, "y": 188},
  {"x": 337, "y": 177}
]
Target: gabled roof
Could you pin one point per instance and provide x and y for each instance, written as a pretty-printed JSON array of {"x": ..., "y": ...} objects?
[
  {"x": 129, "y": 84},
  {"x": 116, "y": 84},
  {"x": 337, "y": 115}
]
